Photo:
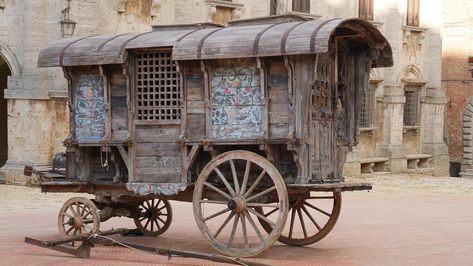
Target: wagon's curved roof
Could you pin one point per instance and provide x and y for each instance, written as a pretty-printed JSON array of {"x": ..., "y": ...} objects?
[{"x": 261, "y": 40}]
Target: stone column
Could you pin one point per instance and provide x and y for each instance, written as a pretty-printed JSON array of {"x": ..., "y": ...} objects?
[
  {"x": 392, "y": 146},
  {"x": 433, "y": 134}
]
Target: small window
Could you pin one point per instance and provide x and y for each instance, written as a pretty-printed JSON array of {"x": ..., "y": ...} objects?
[
  {"x": 273, "y": 8},
  {"x": 365, "y": 9},
  {"x": 411, "y": 106},
  {"x": 158, "y": 90},
  {"x": 301, "y": 6},
  {"x": 222, "y": 15},
  {"x": 367, "y": 107},
  {"x": 413, "y": 13}
]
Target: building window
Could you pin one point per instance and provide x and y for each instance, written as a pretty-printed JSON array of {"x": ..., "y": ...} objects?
[
  {"x": 301, "y": 6},
  {"x": 273, "y": 8},
  {"x": 413, "y": 13},
  {"x": 365, "y": 9},
  {"x": 411, "y": 106},
  {"x": 158, "y": 90},
  {"x": 367, "y": 107}
]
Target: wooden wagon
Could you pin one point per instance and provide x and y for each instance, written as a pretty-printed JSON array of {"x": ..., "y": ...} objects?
[{"x": 250, "y": 122}]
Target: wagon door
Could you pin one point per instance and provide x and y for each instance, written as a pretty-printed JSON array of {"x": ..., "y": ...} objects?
[{"x": 157, "y": 117}]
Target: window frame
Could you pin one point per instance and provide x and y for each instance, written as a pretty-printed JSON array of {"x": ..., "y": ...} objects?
[
  {"x": 371, "y": 91},
  {"x": 417, "y": 90},
  {"x": 179, "y": 91},
  {"x": 302, "y": 6}
]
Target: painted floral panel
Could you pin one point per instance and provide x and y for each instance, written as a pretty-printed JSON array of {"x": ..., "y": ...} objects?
[
  {"x": 236, "y": 103},
  {"x": 89, "y": 114}
]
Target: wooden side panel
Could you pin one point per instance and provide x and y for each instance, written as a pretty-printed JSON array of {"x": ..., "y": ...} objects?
[
  {"x": 278, "y": 99},
  {"x": 158, "y": 156},
  {"x": 195, "y": 102},
  {"x": 119, "y": 106}
]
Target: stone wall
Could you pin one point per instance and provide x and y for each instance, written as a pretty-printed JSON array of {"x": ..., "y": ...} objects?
[{"x": 457, "y": 76}]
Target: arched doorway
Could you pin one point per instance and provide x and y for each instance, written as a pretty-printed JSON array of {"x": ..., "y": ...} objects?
[{"x": 5, "y": 71}]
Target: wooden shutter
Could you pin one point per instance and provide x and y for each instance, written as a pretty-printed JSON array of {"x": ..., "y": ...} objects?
[
  {"x": 413, "y": 13},
  {"x": 301, "y": 6},
  {"x": 365, "y": 9}
]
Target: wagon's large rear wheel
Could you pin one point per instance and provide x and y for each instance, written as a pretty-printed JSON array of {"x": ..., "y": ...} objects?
[
  {"x": 225, "y": 195},
  {"x": 311, "y": 218},
  {"x": 77, "y": 217},
  {"x": 155, "y": 217}
]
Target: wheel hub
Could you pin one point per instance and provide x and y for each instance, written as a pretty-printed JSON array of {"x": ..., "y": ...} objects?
[
  {"x": 237, "y": 204},
  {"x": 75, "y": 222}
]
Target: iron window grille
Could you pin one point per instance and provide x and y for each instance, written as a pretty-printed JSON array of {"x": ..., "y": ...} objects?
[
  {"x": 367, "y": 107},
  {"x": 158, "y": 90},
  {"x": 411, "y": 106}
]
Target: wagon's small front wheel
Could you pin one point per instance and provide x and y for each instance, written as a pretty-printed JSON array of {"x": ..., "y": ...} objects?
[
  {"x": 311, "y": 218},
  {"x": 155, "y": 216},
  {"x": 77, "y": 217},
  {"x": 225, "y": 196}
]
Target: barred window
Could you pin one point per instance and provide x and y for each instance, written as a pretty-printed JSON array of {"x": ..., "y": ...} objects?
[
  {"x": 411, "y": 106},
  {"x": 367, "y": 107},
  {"x": 158, "y": 91}
]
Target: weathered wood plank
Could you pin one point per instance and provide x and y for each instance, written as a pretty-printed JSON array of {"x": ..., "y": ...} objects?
[{"x": 157, "y": 134}]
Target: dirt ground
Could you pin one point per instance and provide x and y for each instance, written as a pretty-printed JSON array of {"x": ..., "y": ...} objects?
[{"x": 405, "y": 220}]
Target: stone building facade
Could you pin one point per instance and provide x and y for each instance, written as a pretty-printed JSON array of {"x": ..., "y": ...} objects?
[
  {"x": 457, "y": 78},
  {"x": 403, "y": 114}
]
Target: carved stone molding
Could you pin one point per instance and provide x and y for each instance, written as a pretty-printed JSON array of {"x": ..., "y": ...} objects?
[{"x": 412, "y": 42}]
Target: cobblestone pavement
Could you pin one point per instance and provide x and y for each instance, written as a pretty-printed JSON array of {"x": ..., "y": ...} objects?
[{"x": 405, "y": 220}]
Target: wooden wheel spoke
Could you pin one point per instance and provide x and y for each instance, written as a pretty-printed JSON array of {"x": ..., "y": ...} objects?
[
  {"x": 142, "y": 218},
  {"x": 69, "y": 230},
  {"x": 75, "y": 232},
  {"x": 262, "y": 217},
  {"x": 245, "y": 178},
  {"x": 83, "y": 211},
  {"x": 310, "y": 217},
  {"x": 243, "y": 227},
  {"x": 214, "y": 202},
  {"x": 147, "y": 223},
  {"x": 157, "y": 204},
  {"x": 147, "y": 204},
  {"x": 88, "y": 221},
  {"x": 252, "y": 222},
  {"x": 157, "y": 224},
  {"x": 161, "y": 208},
  {"x": 73, "y": 211},
  {"x": 159, "y": 218},
  {"x": 68, "y": 215},
  {"x": 152, "y": 225},
  {"x": 262, "y": 193},
  {"x": 301, "y": 219},
  {"x": 225, "y": 181},
  {"x": 317, "y": 209},
  {"x": 86, "y": 225},
  {"x": 235, "y": 177},
  {"x": 291, "y": 227},
  {"x": 232, "y": 234},
  {"x": 271, "y": 212},
  {"x": 217, "y": 190},
  {"x": 77, "y": 209},
  {"x": 253, "y": 186},
  {"x": 216, "y": 214},
  {"x": 224, "y": 224}
]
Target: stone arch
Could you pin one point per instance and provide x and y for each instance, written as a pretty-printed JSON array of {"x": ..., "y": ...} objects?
[
  {"x": 10, "y": 59},
  {"x": 467, "y": 163},
  {"x": 412, "y": 74}
]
